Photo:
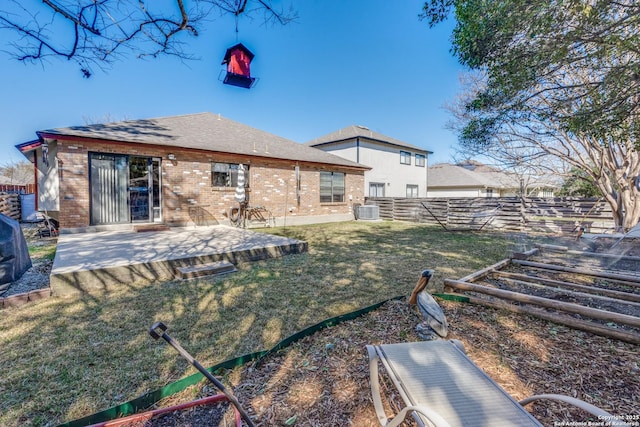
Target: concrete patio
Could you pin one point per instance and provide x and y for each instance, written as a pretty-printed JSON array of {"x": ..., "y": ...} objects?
[{"x": 93, "y": 261}]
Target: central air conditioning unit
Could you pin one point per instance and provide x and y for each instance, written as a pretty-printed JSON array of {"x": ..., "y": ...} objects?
[{"x": 368, "y": 212}]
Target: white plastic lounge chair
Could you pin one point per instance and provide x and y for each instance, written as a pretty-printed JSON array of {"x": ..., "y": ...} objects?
[{"x": 442, "y": 387}]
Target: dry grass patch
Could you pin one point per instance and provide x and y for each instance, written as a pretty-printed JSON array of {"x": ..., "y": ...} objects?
[{"x": 63, "y": 359}]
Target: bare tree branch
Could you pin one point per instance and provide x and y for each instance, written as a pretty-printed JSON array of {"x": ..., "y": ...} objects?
[{"x": 99, "y": 32}]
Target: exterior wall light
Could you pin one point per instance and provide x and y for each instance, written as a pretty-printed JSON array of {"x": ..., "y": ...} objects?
[{"x": 45, "y": 153}]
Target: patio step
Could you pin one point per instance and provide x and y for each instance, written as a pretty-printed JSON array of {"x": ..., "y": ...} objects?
[
  {"x": 210, "y": 269},
  {"x": 150, "y": 227}
]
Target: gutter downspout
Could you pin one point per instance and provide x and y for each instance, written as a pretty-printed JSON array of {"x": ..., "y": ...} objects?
[
  {"x": 366, "y": 183},
  {"x": 426, "y": 174},
  {"x": 36, "y": 187}
]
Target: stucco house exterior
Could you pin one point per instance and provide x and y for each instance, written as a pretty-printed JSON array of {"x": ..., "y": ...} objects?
[
  {"x": 183, "y": 170},
  {"x": 398, "y": 169},
  {"x": 474, "y": 179}
]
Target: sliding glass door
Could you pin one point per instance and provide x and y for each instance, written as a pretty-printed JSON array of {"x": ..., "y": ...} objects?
[
  {"x": 124, "y": 189},
  {"x": 109, "y": 189},
  {"x": 139, "y": 185}
]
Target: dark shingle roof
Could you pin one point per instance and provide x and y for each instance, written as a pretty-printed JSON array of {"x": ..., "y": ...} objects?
[
  {"x": 203, "y": 131},
  {"x": 355, "y": 131}
]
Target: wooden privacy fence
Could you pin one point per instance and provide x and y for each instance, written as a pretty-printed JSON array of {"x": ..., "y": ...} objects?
[
  {"x": 10, "y": 205},
  {"x": 20, "y": 189},
  {"x": 554, "y": 215}
]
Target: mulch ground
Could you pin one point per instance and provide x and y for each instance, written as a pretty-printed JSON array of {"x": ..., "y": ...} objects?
[{"x": 322, "y": 380}]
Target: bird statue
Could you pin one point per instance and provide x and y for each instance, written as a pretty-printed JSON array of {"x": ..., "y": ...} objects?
[{"x": 434, "y": 324}]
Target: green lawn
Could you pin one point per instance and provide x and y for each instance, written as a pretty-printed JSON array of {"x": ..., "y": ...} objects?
[{"x": 62, "y": 359}]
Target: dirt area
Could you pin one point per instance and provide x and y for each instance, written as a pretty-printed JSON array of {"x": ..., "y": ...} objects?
[
  {"x": 600, "y": 288},
  {"x": 322, "y": 380},
  {"x": 205, "y": 415},
  {"x": 592, "y": 300}
]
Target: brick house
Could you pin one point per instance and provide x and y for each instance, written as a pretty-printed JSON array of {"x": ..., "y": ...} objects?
[{"x": 183, "y": 170}]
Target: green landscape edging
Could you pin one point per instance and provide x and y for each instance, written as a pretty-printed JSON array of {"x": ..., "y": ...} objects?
[
  {"x": 451, "y": 297},
  {"x": 148, "y": 399}
]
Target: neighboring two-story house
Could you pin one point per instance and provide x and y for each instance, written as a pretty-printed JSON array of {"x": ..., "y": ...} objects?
[{"x": 398, "y": 169}]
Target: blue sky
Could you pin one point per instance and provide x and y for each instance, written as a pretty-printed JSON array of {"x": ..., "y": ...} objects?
[{"x": 370, "y": 63}]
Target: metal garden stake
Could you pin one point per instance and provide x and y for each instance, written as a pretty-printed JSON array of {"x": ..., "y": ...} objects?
[{"x": 161, "y": 327}]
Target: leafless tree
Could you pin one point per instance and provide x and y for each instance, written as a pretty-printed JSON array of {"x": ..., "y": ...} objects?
[
  {"x": 98, "y": 32},
  {"x": 531, "y": 166},
  {"x": 536, "y": 145},
  {"x": 18, "y": 172}
]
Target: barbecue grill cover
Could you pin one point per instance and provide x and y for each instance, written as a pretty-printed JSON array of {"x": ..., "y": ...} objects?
[{"x": 14, "y": 255}]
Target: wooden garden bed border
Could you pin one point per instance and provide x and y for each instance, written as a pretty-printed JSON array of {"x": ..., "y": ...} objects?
[{"x": 528, "y": 304}]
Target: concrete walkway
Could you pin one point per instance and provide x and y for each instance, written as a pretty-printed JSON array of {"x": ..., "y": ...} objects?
[{"x": 90, "y": 261}]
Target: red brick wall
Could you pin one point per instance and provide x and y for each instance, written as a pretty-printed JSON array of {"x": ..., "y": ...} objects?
[
  {"x": 73, "y": 176},
  {"x": 186, "y": 181}
]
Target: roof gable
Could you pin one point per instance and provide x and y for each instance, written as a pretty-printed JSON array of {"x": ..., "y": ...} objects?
[
  {"x": 202, "y": 131},
  {"x": 358, "y": 131},
  {"x": 240, "y": 47}
]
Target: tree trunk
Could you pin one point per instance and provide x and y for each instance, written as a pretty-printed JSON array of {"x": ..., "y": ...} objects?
[
  {"x": 631, "y": 205},
  {"x": 618, "y": 167}
]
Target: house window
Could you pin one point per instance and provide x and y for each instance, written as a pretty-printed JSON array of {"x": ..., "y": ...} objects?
[
  {"x": 331, "y": 187},
  {"x": 412, "y": 191},
  {"x": 421, "y": 160},
  {"x": 226, "y": 175},
  {"x": 489, "y": 192},
  {"x": 405, "y": 157},
  {"x": 376, "y": 189}
]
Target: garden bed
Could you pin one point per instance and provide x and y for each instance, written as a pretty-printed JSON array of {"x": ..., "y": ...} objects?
[
  {"x": 322, "y": 380},
  {"x": 591, "y": 291}
]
